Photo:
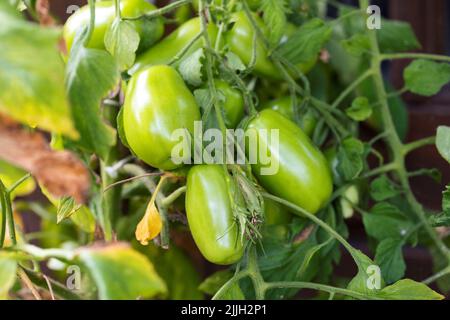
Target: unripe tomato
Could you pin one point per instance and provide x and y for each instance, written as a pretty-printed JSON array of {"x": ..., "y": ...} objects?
[
  {"x": 303, "y": 176},
  {"x": 164, "y": 51},
  {"x": 275, "y": 213},
  {"x": 157, "y": 102},
  {"x": 284, "y": 106},
  {"x": 233, "y": 105},
  {"x": 210, "y": 216},
  {"x": 240, "y": 41},
  {"x": 104, "y": 16}
]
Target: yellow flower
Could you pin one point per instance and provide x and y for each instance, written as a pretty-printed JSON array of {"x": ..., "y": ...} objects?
[{"x": 150, "y": 226}]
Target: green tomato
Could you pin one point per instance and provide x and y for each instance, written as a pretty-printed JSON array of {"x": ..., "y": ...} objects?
[
  {"x": 240, "y": 41},
  {"x": 303, "y": 175},
  {"x": 233, "y": 105},
  {"x": 157, "y": 102},
  {"x": 284, "y": 106},
  {"x": 149, "y": 31},
  {"x": 275, "y": 214},
  {"x": 210, "y": 215},
  {"x": 164, "y": 51}
]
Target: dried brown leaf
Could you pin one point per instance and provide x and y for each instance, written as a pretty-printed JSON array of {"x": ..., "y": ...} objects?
[{"x": 60, "y": 172}]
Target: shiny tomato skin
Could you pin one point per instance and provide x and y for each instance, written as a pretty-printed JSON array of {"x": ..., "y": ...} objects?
[
  {"x": 240, "y": 41},
  {"x": 164, "y": 51},
  {"x": 104, "y": 16},
  {"x": 303, "y": 175},
  {"x": 157, "y": 103},
  {"x": 233, "y": 105},
  {"x": 210, "y": 216},
  {"x": 284, "y": 106}
]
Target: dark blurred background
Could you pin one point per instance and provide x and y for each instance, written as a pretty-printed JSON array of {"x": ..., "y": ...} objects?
[{"x": 431, "y": 21}]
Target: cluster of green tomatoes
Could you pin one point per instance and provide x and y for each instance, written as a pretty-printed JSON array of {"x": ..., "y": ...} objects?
[{"x": 158, "y": 101}]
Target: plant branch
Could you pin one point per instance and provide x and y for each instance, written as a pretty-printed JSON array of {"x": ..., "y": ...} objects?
[
  {"x": 167, "y": 201},
  {"x": 392, "y": 140},
  {"x": 396, "y": 56},
  {"x": 407, "y": 148},
  {"x": 162, "y": 11}
]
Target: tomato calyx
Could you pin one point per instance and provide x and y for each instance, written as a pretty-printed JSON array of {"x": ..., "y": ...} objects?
[{"x": 248, "y": 205}]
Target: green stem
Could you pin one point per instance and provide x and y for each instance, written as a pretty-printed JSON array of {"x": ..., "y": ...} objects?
[
  {"x": 392, "y": 140},
  {"x": 312, "y": 217},
  {"x": 380, "y": 170},
  {"x": 437, "y": 276},
  {"x": 209, "y": 71},
  {"x": 351, "y": 88},
  {"x": 91, "y": 22},
  {"x": 320, "y": 287},
  {"x": 395, "y": 56},
  {"x": 185, "y": 49},
  {"x": 167, "y": 201},
  {"x": 107, "y": 201},
  {"x": 238, "y": 276},
  {"x": 10, "y": 214},
  {"x": 4, "y": 214},
  {"x": 253, "y": 272},
  {"x": 117, "y": 9},
  {"x": 135, "y": 170},
  {"x": 18, "y": 183},
  {"x": 162, "y": 11},
  {"x": 418, "y": 144}
]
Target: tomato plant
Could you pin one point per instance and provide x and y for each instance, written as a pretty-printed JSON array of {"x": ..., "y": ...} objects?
[{"x": 268, "y": 101}]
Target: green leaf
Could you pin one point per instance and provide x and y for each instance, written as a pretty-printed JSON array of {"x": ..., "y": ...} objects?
[
  {"x": 443, "y": 219},
  {"x": 214, "y": 282},
  {"x": 8, "y": 267},
  {"x": 121, "y": 273},
  {"x": 443, "y": 142},
  {"x": 426, "y": 77},
  {"x": 91, "y": 73},
  {"x": 360, "y": 109},
  {"x": 66, "y": 208},
  {"x": 122, "y": 41},
  {"x": 177, "y": 271},
  {"x": 440, "y": 220},
  {"x": 368, "y": 280},
  {"x": 382, "y": 188},
  {"x": 396, "y": 36},
  {"x": 306, "y": 43},
  {"x": 389, "y": 257},
  {"x": 32, "y": 76},
  {"x": 234, "y": 62},
  {"x": 84, "y": 219},
  {"x": 275, "y": 17},
  {"x": 386, "y": 221},
  {"x": 357, "y": 45},
  {"x": 408, "y": 289},
  {"x": 9, "y": 174},
  {"x": 191, "y": 68},
  {"x": 350, "y": 158}
]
